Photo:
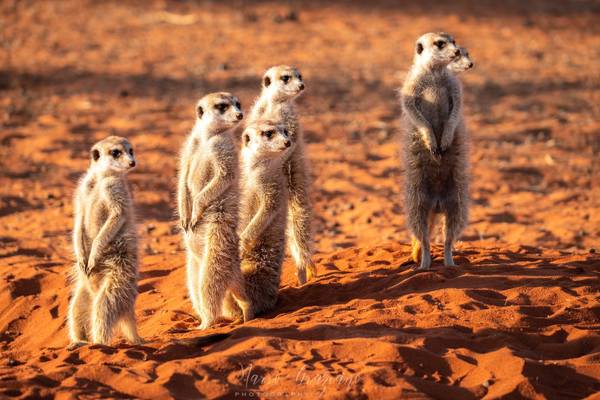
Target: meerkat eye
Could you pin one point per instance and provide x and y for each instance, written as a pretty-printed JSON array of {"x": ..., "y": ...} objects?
[
  {"x": 286, "y": 133},
  {"x": 116, "y": 153},
  {"x": 131, "y": 151},
  {"x": 453, "y": 42},
  {"x": 222, "y": 107},
  {"x": 238, "y": 105},
  {"x": 300, "y": 76},
  {"x": 440, "y": 44},
  {"x": 95, "y": 154},
  {"x": 269, "y": 134},
  {"x": 285, "y": 78}
]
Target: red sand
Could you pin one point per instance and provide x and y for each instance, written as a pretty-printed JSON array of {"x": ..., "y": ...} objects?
[{"x": 518, "y": 319}]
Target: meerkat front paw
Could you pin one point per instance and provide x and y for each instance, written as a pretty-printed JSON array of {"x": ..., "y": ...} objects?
[{"x": 91, "y": 265}]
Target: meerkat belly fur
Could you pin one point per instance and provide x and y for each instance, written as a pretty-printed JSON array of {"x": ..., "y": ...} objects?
[
  {"x": 435, "y": 147},
  {"x": 266, "y": 148},
  {"x": 280, "y": 86},
  {"x": 208, "y": 198},
  {"x": 105, "y": 247}
]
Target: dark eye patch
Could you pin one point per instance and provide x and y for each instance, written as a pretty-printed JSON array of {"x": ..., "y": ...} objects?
[
  {"x": 238, "y": 105},
  {"x": 300, "y": 76},
  {"x": 285, "y": 78},
  {"x": 131, "y": 151},
  {"x": 440, "y": 44},
  {"x": 115, "y": 153},
  {"x": 222, "y": 107}
]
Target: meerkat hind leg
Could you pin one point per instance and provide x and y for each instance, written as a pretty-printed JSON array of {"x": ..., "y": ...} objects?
[
  {"x": 193, "y": 276},
  {"x": 79, "y": 315},
  {"x": 129, "y": 329},
  {"x": 416, "y": 244},
  {"x": 212, "y": 284},
  {"x": 105, "y": 314},
  {"x": 448, "y": 241}
]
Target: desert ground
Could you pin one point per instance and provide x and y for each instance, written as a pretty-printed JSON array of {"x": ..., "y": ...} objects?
[{"x": 519, "y": 317}]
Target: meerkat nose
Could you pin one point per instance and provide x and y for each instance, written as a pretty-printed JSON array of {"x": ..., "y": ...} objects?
[
  {"x": 288, "y": 143},
  {"x": 301, "y": 86},
  {"x": 470, "y": 65},
  {"x": 132, "y": 164},
  {"x": 239, "y": 116}
]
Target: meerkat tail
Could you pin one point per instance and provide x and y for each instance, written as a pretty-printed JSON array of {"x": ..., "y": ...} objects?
[
  {"x": 416, "y": 245},
  {"x": 299, "y": 242},
  {"x": 416, "y": 250}
]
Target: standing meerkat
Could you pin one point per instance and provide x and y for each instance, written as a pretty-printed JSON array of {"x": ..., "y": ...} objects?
[
  {"x": 280, "y": 87},
  {"x": 264, "y": 210},
  {"x": 208, "y": 197},
  {"x": 435, "y": 146},
  {"x": 105, "y": 246},
  {"x": 462, "y": 63}
]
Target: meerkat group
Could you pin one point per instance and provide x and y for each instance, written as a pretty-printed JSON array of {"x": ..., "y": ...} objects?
[{"x": 236, "y": 217}]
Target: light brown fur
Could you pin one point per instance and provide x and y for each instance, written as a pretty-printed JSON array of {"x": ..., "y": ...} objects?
[
  {"x": 208, "y": 197},
  {"x": 276, "y": 103},
  {"x": 105, "y": 246},
  {"x": 435, "y": 146},
  {"x": 266, "y": 148}
]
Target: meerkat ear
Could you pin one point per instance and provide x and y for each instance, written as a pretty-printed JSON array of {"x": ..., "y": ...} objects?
[
  {"x": 267, "y": 81},
  {"x": 419, "y": 48},
  {"x": 246, "y": 139},
  {"x": 199, "y": 111},
  {"x": 95, "y": 154}
]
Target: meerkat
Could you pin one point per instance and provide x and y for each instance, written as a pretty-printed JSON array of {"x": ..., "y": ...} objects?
[
  {"x": 435, "y": 146},
  {"x": 105, "y": 247},
  {"x": 263, "y": 218},
  {"x": 281, "y": 85},
  {"x": 462, "y": 63},
  {"x": 208, "y": 204}
]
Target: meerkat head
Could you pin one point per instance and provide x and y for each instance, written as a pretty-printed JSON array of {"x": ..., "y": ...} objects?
[
  {"x": 266, "y": 139},
  {"x": 113, "y": 154},
  {"x": 219, "y": 111},
  {"x": 282, "y": 83},
  {"x": 461, "y": 63},
  {"x": 436, "y": 49}
]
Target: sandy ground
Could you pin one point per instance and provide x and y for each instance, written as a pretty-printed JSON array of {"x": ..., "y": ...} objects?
[{"x": 518, "y": 319}]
